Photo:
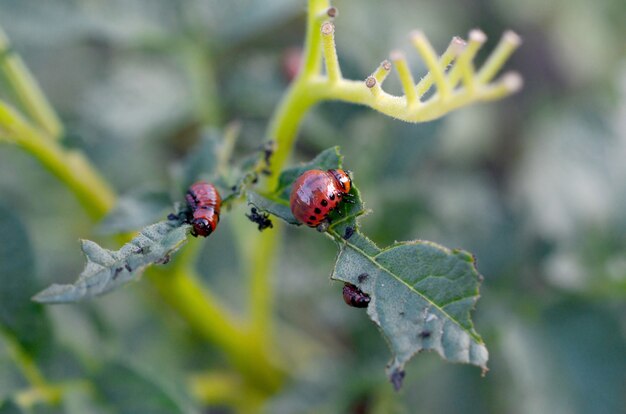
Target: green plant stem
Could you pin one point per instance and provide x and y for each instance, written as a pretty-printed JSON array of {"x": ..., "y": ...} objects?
[
  {"x": 30, "y": 371},
  {"x": 27, "y": 90},
  {"x": 70, "y": 167},
  {"x": 180, "y": 288},
  {"x": 203, "y": 84}
]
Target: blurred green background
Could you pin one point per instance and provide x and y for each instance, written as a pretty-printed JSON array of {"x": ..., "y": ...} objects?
[{"x": 534, "y": 186}]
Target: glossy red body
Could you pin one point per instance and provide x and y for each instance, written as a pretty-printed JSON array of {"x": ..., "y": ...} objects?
[
  {"x": 316, "y": 193},
  {"x": 204, "y": 202}
]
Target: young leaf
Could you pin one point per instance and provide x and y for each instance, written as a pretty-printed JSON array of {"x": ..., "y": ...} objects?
[
  {"x": 277, "y": 203},
  {"x": 202, "y": 161},
  {"x": 136, "y": 210},
  {"x": 26, "y": 322},
  {"x": 107, "y": 270}
]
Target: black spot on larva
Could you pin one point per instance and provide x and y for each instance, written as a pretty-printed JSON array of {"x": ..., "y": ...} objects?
[
  {"x": 362, "y": 277},
  {"x": 127, "y": 266},
  {"x": 312, "y": 218},
  {"x": 424, "y": 334},
  {"x": 332, "y": 197},
  {"x": 339, "y": 195},
  {"x": 172, "y": 216},
  {"x": 317, "y": 210},
  {"x": 324, "y": 203}
]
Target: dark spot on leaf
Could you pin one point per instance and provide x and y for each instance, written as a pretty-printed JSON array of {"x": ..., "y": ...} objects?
[
  {"x": 164, "y": 260},
  {"x": 396, "y": 379},
  {"x": 233, "y": 188},
  {"x": 117, "y": 272},
  {"x": 348, "y": 233},
  {"x": 362, "y": 277}
]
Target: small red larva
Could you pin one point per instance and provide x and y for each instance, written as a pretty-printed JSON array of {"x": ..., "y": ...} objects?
[
  {"x": 204, "y": 202},
  {"x": 316, "y": 193},
  {"x": 354, "y": 296}
]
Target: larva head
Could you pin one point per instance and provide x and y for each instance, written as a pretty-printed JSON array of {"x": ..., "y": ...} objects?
[
  {"x": 343, "y": 180},
  {"x": 202, "y": 226}
]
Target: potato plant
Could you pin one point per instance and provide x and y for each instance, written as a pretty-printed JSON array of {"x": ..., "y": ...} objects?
[{"x": 421, "y": 294}]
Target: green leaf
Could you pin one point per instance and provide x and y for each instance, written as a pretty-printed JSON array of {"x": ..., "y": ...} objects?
[
  {"x": 107, "y": 270},
  {"x": 277, "y": 203},
  {"x": 136, "y": 210},
  {"x": 421, "y": 296},
  {"x": 26, "y": 322},
  {"x": 130, "y": 391},
  {"x": 202, "y": 161},
  {"x": 9, "y": 407}
]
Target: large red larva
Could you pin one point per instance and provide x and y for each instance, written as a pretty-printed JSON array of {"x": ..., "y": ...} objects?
[
  {"x": 204, "y": 202},
  {"x": 316, "y": 193}
]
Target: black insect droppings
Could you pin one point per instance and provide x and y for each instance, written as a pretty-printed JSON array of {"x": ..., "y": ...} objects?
[
  {"x": 362, "y": 277},
  {"x": 262, "y": 219},
  {"x": 424, "y": 334}
]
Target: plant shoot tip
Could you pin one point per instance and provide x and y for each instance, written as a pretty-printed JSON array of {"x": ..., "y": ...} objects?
[
  {"x": 513, "y": 81},
  {"x": 332, "y": 12},
  {"x": 417, "y": 35},
  {"x": 512, "y": 38},
  {"x": 370, "y": 82},
  {"x": 457, "y": 45},
  {"x": 328, "y": 28},
  {"x": 478, "y": 36},
  {"x": 396, "y": 55}
]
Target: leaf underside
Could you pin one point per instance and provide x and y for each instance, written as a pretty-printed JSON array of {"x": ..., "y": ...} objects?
[
  {"x": 107, "y": 269},
  {"x": 421, "y": 294}
]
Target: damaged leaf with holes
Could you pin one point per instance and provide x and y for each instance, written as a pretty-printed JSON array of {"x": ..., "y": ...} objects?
[
  {"x": 421, "y": 294},
  {"x": 107, "y": 270}
]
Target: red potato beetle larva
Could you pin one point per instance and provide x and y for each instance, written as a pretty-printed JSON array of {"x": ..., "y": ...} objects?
[
  {"x": 204, "y": 202},
  {"x": 316, "y": 193},
  {"x": 354, "y": 296}
]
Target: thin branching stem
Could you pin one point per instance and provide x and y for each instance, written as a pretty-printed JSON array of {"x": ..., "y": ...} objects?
[
  {"x": 427, "y": 52},
  {"x": 507, "y": 45},
  {"x": 455, "y": 47}
]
